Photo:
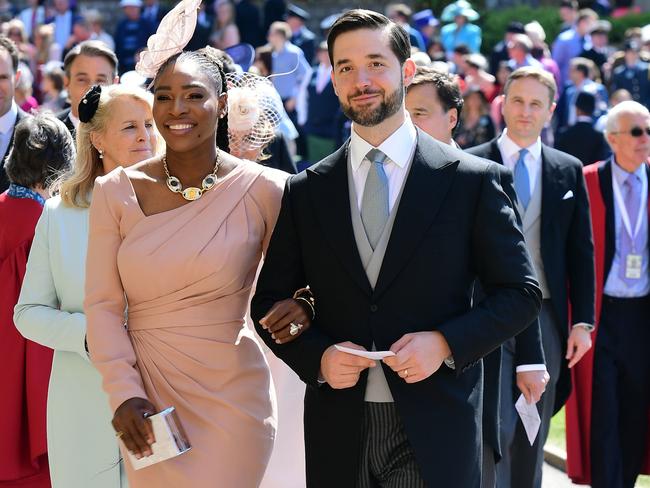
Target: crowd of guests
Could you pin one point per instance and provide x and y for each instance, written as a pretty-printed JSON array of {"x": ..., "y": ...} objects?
[{"x": 102, "y": 183}]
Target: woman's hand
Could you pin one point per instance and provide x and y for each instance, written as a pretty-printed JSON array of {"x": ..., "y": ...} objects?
[
  {"x": 285, "y": 317},
  {"x": 132, "y": 426}
]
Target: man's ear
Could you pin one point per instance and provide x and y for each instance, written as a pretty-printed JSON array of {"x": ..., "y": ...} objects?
[
  {"x": 408, "y": 71},
  {"x": 66, "y": 81},
  {"x": 452, "y": 117},
  {"x": 17, "y": 77}
]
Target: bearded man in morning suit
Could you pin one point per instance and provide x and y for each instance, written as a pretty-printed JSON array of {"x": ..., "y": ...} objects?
[{"x": 390, "y": 232}]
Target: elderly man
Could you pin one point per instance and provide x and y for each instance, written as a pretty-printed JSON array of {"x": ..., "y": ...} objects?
[{"x": 608, "y": 445}]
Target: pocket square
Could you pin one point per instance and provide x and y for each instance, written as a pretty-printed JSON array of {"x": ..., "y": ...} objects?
[{"x": 568, "y": 195}]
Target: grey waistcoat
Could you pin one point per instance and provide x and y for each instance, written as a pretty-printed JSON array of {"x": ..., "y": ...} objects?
[
  {"x": 532, "y": 224},
  {"x": 377, "y": 388}
]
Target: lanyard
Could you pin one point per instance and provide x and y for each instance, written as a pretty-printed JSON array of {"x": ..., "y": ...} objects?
[{"x": 623, "y": 210}]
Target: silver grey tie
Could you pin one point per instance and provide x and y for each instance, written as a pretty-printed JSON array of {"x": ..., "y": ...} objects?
[{"x": 374, "y": 204}]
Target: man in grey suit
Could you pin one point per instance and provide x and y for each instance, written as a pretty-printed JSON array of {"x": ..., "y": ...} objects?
[
  {"x": 553, "y": 203},
  {"x": 434, "y": 101}
]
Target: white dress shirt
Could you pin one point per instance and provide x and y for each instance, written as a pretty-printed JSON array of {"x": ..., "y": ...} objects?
[
  {"x": 7, "y": 123},
  {"x": 75, "y": 121},
  {"x": 399, "y": 147},
  {"x": 533, "y": 160}
]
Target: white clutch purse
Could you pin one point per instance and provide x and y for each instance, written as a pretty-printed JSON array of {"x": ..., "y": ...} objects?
[{"x": 171, "y": 440}]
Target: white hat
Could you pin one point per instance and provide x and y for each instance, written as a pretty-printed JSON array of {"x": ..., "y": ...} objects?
[{"x": 130, "y": 3}]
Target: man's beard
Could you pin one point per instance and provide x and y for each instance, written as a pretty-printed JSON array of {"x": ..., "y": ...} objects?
[{"x": 369, "y": 117}]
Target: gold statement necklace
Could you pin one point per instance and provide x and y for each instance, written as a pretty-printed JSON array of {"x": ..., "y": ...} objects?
[{"x": 192, "y": 193}]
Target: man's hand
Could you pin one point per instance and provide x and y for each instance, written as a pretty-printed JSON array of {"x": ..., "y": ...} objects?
[
  {"x": 340, "y": 369},
  {"x": 418, "y": 355},
  {"x": 578, "y": 344},
  {"x": 532, "y": 384}
]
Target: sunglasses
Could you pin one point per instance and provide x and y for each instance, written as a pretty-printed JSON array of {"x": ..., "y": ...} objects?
[{"x": 635, "y": 131}]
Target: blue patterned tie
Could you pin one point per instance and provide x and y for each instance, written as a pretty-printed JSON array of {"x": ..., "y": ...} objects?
[
  {"x": 522, "y": 180},
  {"x": 374, "y": 204}
]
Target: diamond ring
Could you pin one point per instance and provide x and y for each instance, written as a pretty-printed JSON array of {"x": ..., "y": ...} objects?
[{"x": 295, "y": 328}]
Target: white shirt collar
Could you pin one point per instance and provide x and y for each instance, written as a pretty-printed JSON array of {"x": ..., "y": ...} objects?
[
  {"x": 395, "y": 146},
  {"x": 8, "y": 120},
  {"x": 511, "y": 150},
  {"x": 75, "y": 121}
]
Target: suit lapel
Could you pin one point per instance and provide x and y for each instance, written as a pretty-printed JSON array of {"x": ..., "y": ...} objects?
[
  {"x": 552, "y": 187},
  {"x": 495, "y": 153},
  {"x": 426, "y": 186},
  {"x": 605, "y": 181},
  {"x": 330, "y": 192},
  {"x": 19, "y": 116}
]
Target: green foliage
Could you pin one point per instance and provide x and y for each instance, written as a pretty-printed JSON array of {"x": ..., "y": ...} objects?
[
  {"x": 620, "y": 25},
  {"x": 494, "y": 23}
]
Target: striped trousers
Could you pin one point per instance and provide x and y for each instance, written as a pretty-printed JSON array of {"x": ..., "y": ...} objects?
[{"x": 387, "y": 459}]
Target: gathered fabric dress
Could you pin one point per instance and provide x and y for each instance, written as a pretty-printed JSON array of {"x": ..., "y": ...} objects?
[
  {"x": 26, "y": 365},
  {"x": 186, "y": 277}
]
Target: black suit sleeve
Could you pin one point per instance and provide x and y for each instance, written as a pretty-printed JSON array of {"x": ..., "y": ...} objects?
[
  {"x": 529, "y": 348},
  {"x": 282, "y": 274},
  {"x": 512, "y": 296},
  {"x": 580, "y": 256}
]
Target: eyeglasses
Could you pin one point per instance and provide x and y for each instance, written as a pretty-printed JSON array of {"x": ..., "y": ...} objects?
[{"x": 635, "y": 131}]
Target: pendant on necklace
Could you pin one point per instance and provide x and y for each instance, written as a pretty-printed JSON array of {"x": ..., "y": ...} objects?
[{"x": 192, "y": 193}]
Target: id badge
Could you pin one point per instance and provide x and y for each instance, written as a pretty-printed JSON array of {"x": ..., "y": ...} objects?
[{"x": 633, "y": 266}]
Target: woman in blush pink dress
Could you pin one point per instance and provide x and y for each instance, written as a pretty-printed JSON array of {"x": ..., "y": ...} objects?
[{"x": 179, "y": 238}]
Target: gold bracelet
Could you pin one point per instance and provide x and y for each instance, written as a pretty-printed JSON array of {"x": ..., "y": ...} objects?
[{"x": 311, "y": 306}]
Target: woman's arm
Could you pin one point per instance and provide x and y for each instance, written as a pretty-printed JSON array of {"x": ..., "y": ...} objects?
[
  {"x": 37, "y": 314},
  {"x": 110, "y": 347}
]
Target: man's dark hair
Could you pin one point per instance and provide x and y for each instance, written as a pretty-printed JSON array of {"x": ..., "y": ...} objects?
[
  {"x": 462, "y": 49},
  {"x": 367, "y": 19},
  {"x": 9, "y": 46},
  {"x": 446, "y": 86},
  {"x": 43, "y": 149},
  {"x": 586, "y": 103},
  {"x": 572, "y": 4},
  {"x": 91, "y": 49}
]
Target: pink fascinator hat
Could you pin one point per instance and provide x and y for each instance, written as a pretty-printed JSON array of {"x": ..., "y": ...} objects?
[{"x": 174, "y": 32}]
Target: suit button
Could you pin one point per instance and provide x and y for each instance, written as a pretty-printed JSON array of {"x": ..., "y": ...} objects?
[{"x": 374, "y": 308}]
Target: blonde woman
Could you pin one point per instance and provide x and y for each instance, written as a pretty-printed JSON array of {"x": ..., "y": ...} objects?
[{"x": 116, "y": 129}]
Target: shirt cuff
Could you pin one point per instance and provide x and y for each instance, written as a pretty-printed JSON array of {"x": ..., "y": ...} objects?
[
  {"x": 523, "y": 368},
  {"x": 588, "y": 327}
]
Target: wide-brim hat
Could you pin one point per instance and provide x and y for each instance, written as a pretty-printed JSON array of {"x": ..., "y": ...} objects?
[
  {"x": 459, "y": 8},
  {"x": 424, "y": 18},
  {"x": 295, "y": 11}
]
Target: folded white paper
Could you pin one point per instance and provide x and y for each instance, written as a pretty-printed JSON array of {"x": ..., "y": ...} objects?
[
  {"x": 529, "y": 417},
  {"x": 375, "y": 355},
  {"x": 171, "y": 440}
]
